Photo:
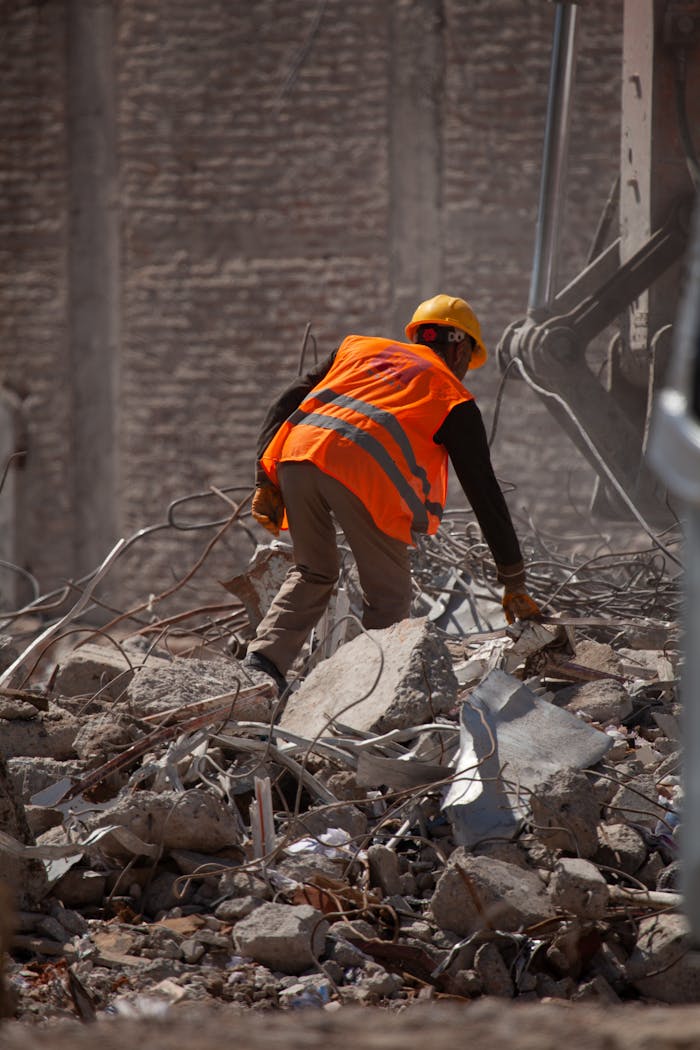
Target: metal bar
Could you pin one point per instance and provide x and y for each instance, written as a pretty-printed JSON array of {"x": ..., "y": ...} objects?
[
  {"x": 660, "y": 252},
  {"x": 556, "y": 141}
]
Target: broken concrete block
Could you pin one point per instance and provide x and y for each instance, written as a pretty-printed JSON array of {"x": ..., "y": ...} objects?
[
  {"x": 25, "y": 877},
  {"x": 662, "y": 965},
  {"x": 397, "y": 677},
  {"x": 158, "y": 689},
  {"x": 30, "y": 775},
  {"x": 510, "y": 740},
  {"x": 259, "y": 584},
  {"x": 566, "y": 812},
  {"x": 475, "y": 893},
  {"x": 384, "y": 869},
  {"x": 577, "y": 887},
  {"x": 638, "y": 803},
  {"x": 647, "y": 664},
  {"x": 598, "y": 656},
  {"x": 283, "y": 937},
  {"x": 79, "y": 888},
  {"x": 48, "y": 734},
  {"x": 101, "y": 736},
  {"x": 493, "y": 972},
  {"x": 102, "y": 669},
  {"x": 621, "y": 847},
  {"x": 598, "y": 990},
  {"x": 195, "y": 820},
  {"x": 564, "y": 953},
  {"x": 317, "y": 822},
  {"x": 605, "y": 701},
  {"x": 237, "y": 908}
]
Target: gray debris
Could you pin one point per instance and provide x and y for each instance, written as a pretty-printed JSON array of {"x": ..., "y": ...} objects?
[
  {"x": 282, "y": 937},
  {"x": 262, "y": 579},
  {"x": 397, "y": 677},
  {"x": 493, "y": 972},
  {"x": 99, "y": 669},
  {"x": 566, "y": 812},
  {"x": 474, "y": 893},
  {"x": 148, "y": 853},
  {"x": 578, "y": 887},
  {"x": 384, "y": 869},
  {"x": 638, "y": 802},
  {"x": 662, "y": 965},
  {"x": 620, "y": 847},
  {"x": 605, "y": 701},
  {"x": 167, "y": 686},
  {"x": 511, "y": 740},
  {"x": 193, "y": 819}
]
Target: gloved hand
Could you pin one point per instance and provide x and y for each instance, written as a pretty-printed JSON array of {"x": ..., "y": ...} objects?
[
  {"x": 519, "y": 606},
  {"x": 268, "y": 508}
]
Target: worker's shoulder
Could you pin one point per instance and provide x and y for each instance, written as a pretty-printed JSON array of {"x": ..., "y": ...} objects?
[{"x": 375, "y": 342}]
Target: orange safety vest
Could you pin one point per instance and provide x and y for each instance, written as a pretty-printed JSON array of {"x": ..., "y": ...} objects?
[{"x": 370, "y": 423}]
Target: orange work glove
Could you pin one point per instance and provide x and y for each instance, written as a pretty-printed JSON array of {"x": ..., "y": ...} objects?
[
  {"x": 520, "y": 606},
  {"x": 268, "y": 508}
]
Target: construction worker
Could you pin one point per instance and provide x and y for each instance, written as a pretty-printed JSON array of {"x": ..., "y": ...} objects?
[{"x": 364, "y": 439}]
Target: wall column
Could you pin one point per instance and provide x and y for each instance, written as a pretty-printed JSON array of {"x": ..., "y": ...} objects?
[
  {"x": 415, "y": 155},
  {"x": 93, "y": 273}
]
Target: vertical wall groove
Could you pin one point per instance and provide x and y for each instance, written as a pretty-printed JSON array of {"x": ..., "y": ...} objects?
[
  {"x": 415, "y": 154},
  {"x": 93, "y": 275}
]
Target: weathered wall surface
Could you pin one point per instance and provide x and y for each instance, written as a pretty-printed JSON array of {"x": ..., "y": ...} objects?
[
  {"x": 270, "y": 174},
  {"x": 34, "y": 372}
]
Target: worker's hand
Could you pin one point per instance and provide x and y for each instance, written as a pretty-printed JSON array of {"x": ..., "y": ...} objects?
[
  {"x": 268, "y": 508},
  {"x": 520, "y": 606}
]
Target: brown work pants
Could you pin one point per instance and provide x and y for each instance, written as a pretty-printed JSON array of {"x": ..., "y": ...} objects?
[{"x": 313, "y": 499}]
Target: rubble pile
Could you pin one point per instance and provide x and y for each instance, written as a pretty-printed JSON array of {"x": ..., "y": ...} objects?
[{"x": 445, "y": 808}]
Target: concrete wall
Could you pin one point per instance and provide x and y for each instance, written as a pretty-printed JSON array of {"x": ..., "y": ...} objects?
[{"x": 272, "y": 163}]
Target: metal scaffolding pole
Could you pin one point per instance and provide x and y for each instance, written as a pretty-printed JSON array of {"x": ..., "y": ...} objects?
[{"x": 554, "y": 154}]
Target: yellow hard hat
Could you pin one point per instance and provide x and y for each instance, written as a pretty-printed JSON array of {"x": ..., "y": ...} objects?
[{"x": 443, "y": 309}]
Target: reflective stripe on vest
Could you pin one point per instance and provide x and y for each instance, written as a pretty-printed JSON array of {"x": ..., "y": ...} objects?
[
  {"x": 384, "y": 400},
  {"x": 419, "y": 510}
]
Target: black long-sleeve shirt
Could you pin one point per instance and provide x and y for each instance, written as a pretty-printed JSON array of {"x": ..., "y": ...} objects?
[{"x": 464, "y": 437}]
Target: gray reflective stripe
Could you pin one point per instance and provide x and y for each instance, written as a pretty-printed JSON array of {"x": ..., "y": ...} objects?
[
  {"x": 418, "y": 509},
  {"x": 385, "y": 419}
]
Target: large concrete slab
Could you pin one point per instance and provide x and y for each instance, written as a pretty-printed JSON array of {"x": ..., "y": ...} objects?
[{"x": 386, "y": 679}]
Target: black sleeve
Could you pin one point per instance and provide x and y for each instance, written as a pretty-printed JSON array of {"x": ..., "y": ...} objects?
[
  {"x": 283, "y": 406},
  {"x": 464, "y": 436}
]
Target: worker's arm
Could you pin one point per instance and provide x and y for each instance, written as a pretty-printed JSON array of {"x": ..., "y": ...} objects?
[
  {"x": 464, "y": 437},
  {"x": 282, "y": 408}
]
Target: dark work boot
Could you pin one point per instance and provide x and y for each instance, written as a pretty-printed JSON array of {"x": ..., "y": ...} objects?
[{"x": 258, "y": 662}]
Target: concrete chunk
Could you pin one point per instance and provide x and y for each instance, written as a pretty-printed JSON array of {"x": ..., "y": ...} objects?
[
  {"x": 605, "y": 701},
  {"x": 98, "y": 668},
  {"x": 577, "y": 887},
  {"x": 397, "y": 677},
  {"x": 49, "y": 734},
  {"x": 195, "y": 820},
  {"x": 283, "y": 937},
  {"x": 621, "y": 847},
  {"x": 475, "y": 893},
  {"x": 493, "y": 972},
  {"x": 566, "y": 812},
  {"x": 263, "y": 578},
  {"x": 167, "y": 686},
  {"x": 662, "y": 966},
  {"x": 26, "y": 878},
  {"x": 638, "y": 802}
]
